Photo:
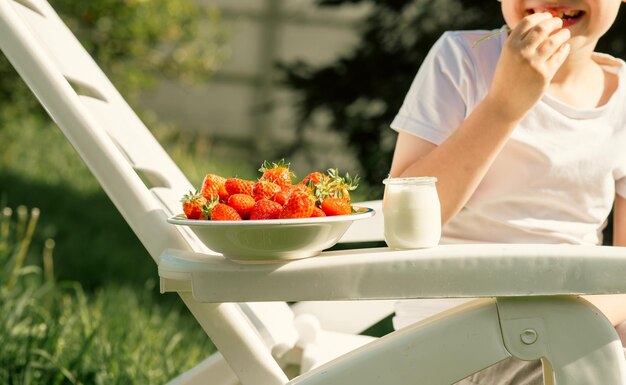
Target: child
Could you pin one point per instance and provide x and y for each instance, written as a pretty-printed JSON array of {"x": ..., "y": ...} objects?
[{"x": 526, "y": 134}]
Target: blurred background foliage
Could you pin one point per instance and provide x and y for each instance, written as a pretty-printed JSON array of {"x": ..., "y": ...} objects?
[{"x": 135, "y": 42}]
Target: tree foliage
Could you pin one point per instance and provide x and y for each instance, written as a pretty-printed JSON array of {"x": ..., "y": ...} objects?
[
  {"x": 134, "y": 41},
  {"x": 361, "y": 92}
]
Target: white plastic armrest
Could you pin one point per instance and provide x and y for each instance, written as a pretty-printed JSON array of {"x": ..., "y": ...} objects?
[{"x": 461, "y": 271}]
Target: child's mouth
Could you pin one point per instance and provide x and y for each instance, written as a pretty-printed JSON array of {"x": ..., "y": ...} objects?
[{"x": 569, "y": 16}]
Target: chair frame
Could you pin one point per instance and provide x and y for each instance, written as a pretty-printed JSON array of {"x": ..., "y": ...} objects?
[{"x": 529, "y": 306}]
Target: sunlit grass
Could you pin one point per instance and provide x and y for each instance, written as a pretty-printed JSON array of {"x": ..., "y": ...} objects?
[{"x": 54, "y": 333}]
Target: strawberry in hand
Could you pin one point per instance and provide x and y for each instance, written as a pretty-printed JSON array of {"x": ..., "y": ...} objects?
[{"x": 193, "y": 204}]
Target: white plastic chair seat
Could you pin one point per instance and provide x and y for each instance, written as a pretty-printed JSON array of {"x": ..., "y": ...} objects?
[{"x": 329, "y": 346}]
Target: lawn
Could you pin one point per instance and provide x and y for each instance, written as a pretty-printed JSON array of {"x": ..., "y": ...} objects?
[
  {"x": 54, "y": 332},
  {"x": 94, "y": 315}
]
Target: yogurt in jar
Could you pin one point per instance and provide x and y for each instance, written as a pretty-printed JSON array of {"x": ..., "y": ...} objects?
[{"x": 412, "y": 213}]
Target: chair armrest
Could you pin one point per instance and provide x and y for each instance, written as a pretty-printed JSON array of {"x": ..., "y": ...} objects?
[{"x": 473, "y": 270}]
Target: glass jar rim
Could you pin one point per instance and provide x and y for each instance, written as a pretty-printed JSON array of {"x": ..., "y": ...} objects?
[{"x": 411, "y": 180}]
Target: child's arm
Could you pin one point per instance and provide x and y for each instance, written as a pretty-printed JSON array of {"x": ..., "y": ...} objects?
[
  {"x": 534, "y": 51},
  {"x": 619, "y": 221},
  {"x": 614, "y": 306},
  {"x": 461, "y": 161}
]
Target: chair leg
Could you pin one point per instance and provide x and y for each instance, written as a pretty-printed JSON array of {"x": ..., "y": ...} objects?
[
  {"x": 214, "y": 371},
  {"x": 238, "y": 341},
  {"x": 579, "y": 343},
  {"x": 437, "y": 351}
]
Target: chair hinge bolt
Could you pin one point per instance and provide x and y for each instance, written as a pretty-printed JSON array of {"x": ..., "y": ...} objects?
[{"x": 529, "y": 336}]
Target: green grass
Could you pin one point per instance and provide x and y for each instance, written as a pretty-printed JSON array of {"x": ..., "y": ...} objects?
[
  {"x": 58, "y": 335},
  {"x": 54, "y": 333},
  {"x": 101, "y": 320}
]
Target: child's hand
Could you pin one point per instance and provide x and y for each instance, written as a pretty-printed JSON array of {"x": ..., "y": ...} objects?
[{"x": 534, "y": 51}]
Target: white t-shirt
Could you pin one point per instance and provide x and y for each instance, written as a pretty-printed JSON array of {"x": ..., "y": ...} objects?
[{"x": 555, "y": 179}]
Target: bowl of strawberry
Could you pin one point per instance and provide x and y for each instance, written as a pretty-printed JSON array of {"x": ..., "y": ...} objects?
[{"x": 276, "y": 217}]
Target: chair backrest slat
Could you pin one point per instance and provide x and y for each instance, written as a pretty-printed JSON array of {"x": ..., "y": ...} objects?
[{"x": 117, "y": 147}]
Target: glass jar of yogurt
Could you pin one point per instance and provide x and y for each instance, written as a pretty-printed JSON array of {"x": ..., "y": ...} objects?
[{"x": 412, "y": 212}]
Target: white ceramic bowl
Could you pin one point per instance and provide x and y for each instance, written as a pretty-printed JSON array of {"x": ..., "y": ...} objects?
[{"x": 272, "y": 239}]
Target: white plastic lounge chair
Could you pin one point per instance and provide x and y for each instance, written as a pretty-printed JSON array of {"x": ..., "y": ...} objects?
[{"x": 529, "y": 307}]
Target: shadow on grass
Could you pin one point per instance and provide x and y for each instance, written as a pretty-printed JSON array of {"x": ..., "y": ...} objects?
[{"x": 94, "y": 245}]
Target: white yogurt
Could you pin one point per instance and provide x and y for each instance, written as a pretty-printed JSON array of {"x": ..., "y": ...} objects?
[{"x": 412, "y": 213}]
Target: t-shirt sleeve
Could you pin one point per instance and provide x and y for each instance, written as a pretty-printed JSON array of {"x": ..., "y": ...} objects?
[{"x": 437, "y": 101}]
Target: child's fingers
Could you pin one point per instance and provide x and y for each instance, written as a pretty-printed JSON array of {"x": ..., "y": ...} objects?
[
  {"x": 527, "y": 23},
  {"x": 537, "y": 34},
  {"x": 553, "y": 42},
  {"x": 556, "y": 60}
]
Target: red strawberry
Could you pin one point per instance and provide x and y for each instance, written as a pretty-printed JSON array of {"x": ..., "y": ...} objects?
[
  {"x": 278, "y": 173},
  {"x": 222, "y": 212},
  {"x": 317, "y": 212},
  {"x": 299, "y": 205},
  {"x": 314, "y": 177},
  {"x": 282, "y": 196},
  {"x": 264, "y": 189},
  {"x": 192, "y": 205},
  {"x": 336, "y": 206},
  {"x": 238, "y": 186},
  {"x": 265, "y": 209},
  {"x": 213, "y": 185},
  {"x": 242, "y": 203}
]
